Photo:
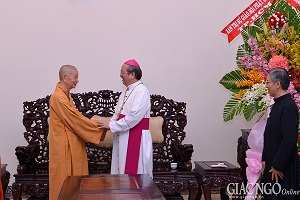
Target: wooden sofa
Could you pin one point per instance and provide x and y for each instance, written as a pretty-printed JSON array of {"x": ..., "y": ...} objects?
[{"x": 32, "y": 171}]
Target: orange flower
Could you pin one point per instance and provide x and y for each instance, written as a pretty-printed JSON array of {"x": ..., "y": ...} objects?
[
  {"x": 240, "y": 94},
  {"x": 252, "y": 75}
]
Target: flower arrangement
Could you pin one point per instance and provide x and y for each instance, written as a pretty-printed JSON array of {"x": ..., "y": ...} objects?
[{"x": 272, "y": 41}]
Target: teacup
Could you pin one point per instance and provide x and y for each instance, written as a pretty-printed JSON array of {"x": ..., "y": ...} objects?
[{"x": 173, "y": 165}]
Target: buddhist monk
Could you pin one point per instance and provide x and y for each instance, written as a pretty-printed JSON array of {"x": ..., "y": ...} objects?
[{"x": 68, "y": 132}]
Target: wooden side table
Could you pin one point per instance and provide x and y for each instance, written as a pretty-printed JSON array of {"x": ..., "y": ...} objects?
[
  {"x": 212, "y": 178},
  {"x": 5, "y": 176}
]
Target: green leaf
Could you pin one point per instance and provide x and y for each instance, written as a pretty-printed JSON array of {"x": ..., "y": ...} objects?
[
  {"x": 250, "y": 110},
  {"x": 250, "y": 32},
  {"x": 229, "y": 80},
  {"x": 232, "y": 108},
  {"x": 240, "y": 53}
]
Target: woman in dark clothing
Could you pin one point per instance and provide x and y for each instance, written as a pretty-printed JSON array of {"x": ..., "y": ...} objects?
[{"x": 280, "y": 158}]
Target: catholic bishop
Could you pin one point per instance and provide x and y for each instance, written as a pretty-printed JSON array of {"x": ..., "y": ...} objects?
[
  {"x": 132, "y": 146},
  {"x": 68, "y": 132}
]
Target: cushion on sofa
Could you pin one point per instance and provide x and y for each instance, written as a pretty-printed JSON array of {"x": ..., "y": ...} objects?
[{"x": 155, "y": 126}]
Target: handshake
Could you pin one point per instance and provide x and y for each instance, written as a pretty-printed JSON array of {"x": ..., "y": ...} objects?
[{"x": 101, "y": 121}]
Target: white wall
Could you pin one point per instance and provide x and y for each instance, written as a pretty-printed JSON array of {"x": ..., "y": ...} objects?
[{"x": 178, "y": 44}]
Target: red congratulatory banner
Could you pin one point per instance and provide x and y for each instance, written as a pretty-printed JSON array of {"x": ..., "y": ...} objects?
[{"x": 249, "y": 15}]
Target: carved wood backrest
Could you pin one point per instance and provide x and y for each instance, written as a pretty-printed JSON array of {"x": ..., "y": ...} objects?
[{"x": 102, "y": 103}]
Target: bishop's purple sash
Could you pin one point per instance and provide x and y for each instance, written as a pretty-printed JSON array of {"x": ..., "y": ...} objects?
[{"x": 134, "y": 144}]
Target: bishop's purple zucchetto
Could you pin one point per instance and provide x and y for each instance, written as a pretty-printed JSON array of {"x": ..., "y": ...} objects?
[{"x": 132, "y": 63}]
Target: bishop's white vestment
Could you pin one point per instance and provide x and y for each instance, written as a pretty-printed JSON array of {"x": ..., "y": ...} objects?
[{"x": 132, "y": 145}]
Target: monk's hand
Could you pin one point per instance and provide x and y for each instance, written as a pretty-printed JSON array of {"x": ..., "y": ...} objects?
[
  {"x": 103, "y": 124},
  {"x": 276, "y": 174}
]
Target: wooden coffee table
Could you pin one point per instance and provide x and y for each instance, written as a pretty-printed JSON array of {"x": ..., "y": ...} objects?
[
  {"x": 216, "y": 178},
  {"x": 110, "y": 187}
]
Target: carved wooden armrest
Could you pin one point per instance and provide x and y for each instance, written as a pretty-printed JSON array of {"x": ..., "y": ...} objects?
[
  {"x": 182, "y": 154},
  {"x": 26, "y": 156}
]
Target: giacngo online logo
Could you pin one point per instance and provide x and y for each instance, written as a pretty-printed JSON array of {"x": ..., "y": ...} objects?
[{"x": 242, "y": 190}]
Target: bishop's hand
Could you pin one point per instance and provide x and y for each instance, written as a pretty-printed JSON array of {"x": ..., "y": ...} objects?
[{"x": 103, "y": 124}]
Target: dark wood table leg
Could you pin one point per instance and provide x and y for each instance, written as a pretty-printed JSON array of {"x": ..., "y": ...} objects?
[
  {"x": 207, "y": 186},
  {"x": 194, "y": 190},
  {"x": 199, "y": 181},
  {"x": 5, "y": 181},
  {"x": 199, "y": 193},
  {"x": 223, "y": 194},
  {"x": 17, "y": 191}
]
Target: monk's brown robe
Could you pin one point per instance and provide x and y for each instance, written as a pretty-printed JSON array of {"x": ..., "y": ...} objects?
[{"x": 68, "y": 131}]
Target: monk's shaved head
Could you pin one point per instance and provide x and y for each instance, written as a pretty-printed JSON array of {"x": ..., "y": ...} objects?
[{"x": 66, "y": 70}]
